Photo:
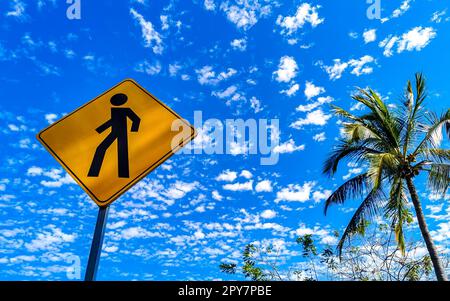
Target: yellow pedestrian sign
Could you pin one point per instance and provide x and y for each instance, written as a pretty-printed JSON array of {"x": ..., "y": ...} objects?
[{"x": 115, "y": 140}]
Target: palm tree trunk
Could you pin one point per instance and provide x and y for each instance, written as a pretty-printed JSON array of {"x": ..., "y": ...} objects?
[{"x": 437, "y": 264}]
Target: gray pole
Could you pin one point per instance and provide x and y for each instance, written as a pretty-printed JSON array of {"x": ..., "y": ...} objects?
[{"x": 96, "y": 247}]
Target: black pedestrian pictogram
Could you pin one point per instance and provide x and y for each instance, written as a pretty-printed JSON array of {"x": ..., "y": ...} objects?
[{"x": 119, "y": 132}]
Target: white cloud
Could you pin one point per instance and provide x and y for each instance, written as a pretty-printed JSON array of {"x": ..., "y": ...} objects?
[
  {"x": 294, "y": 41},
  {"x": 264, "y": 186},
  {"x": 164, "y": 22},
  {"x": 216, "y": 195},
  {"x": 35, "y": 171},
  {"x": 267, "y": 226},
  {"x": 288, "y": 147},
  {"x": 335, "y": 71},
  {"x": 319, "y": 196},
  {"x": 174, "y": 68},
  {"x": 148, "y": 68},
  {"x": 295, "y": 193},
  {"x": 370, "y": 36},
  {"x": 246, "y": 174},
  {"x": 18, "y": 9},
  {"x": 312, "y": 91},
  {"x": 22, "y": 258},
  {"x": 404, "y": 7},
  {"x": 437, "y": 16},
  {"x": 353, "y": 35},
  {"x": 111, "y": 249},
  {"x": 358, "y": 106},
  {"x": 255, "y": 103},
  {"x": 245, "y": 14},
  {"x": 314, "y": 105},
  {"x": 388, "y": 44},
  {"x": 57, "y": 177},
  {"x": 241, "y": 17},
  {"x": 352, "y": 171},
  {"x": 246, "y": 186},
  {"x": 329, "y": 240},
  {"x": 227, "y": 93},
  {"x": 292, "y": 90},
  {"x": 51, "y": 117},
  {"x": 213, "y": 252},
  {"x": 323, "y": 234},
  {"x": 13, "y": 128},
  {"x": 136, "y": 232},
  {"x": 209, "y": 5},
  {"x": 359, "y": 67},
  {"x": 49, "y": 240},
  {"x": 434, "y": 209},
  {"x": 415, "y": 39},
  {"x": 200, "y": 209},
  {"x": 199, "y": 235},
  {"x": 26, "y": 143},
  {"x": 238, "y": 148},
  {"x": 207, "y": 76},
  {"x": 320, "y": 137},
  {"x": 179, "y": 189},
  {"x": 116, "y": 225},
  {"x": 227, "y": 176},
  {"x": 306, "y": 13},
  {"x": 60, "y": 181},
  {"x": 442, "y": 233},
  {"x": 268, "y": 214},
  {"x": 239, "y": 44},
  {"x": 287, "y": 69},
  {"x": 151, "y": 37},
  {"x": 317, "y": 117},
  {"x": 438, "y": 196}
]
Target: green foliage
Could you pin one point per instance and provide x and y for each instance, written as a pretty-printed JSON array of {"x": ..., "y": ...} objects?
[
  {"x": 415, "y": 269},
  {"x": 228, "y": 268},
  {"x": 307, "y": 243},
  {"x": 250, "y": 269},
  {"x": 374, "y": 258}
]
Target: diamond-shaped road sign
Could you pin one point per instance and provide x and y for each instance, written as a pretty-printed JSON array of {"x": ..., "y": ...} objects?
[{"x": 112, "y": 142}]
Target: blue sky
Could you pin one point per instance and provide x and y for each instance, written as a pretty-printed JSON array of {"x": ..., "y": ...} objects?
[{"x": 229, "y": 59}]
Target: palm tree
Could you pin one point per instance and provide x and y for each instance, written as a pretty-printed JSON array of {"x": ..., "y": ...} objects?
[{"x": 396, "y": 145}]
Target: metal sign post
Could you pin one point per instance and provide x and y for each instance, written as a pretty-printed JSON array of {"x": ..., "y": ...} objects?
[{"x": 97, "y": 242}]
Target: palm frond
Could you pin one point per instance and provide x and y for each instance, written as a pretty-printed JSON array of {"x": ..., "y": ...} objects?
[
  {"x": 363, "y": 121},
  {"x": 352, "y": 151},
  {"x": 435, "y": 155},
  {"x": 353, "y": 188},
  {"x": 357, "y": 132},
  {"x": 397, "y": 210},
  {"x": 340, "y": 112},
  {"x": 447, "y": 129},
  {"x": 433, "y": 136},
  {"x": 368, "y": 208},
  {"x": 381, "y": 165},
  {"x": 382, "y": 119},
  {"x": 421, "y": 93},
  {"x": 439, "y": 178},
  {"x": 412, "y": 113},
  {"x": 409, "y": 121},
  {"x": 409, "y": 97}
]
